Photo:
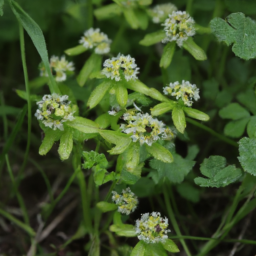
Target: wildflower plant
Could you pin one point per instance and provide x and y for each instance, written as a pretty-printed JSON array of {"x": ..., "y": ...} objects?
[{"x": 122, "y": 129}]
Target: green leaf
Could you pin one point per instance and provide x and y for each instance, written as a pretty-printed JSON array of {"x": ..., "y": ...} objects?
[
  {"x": 124, "y": 230},
  {"x": 139, "y": 98},
  {"x": 251, "y": 127},
  {"x": 139, "y": 249},
  {"x": 106, "y": 207},
  {"x": 1, "y": 7},
  {"x": 189, "y": 192},
  {"x": 107, "y": 11},
  {"x": 153, "y": 38},
  {"x": 236, "y": 128},
  {"x": 37, "y": 38},
  {"x": 75, "y": 50},
  {"x": 145, "y": 2},
  {"x": 66, "y": 145},
  {"x": 122, "y": 141},
  {"x": 132, "y": 158},
  {"x": 178, "y": 118},
  {"x": 233, "y": 111},
  {"x": 156, "y": 249},
  {"x": 167, "y": 55},
  {"x": 247, "y": 151},
  {"x": 128, "y": 177},
  {"x": 93, "y": 158},
  {"x": 194, "y": 113},
  {"x": 238, "y": 30},
  {"x": 210, "y": 89},
  {"x": 50, "y": 137},
  {"x": 160, "y": 153},
  {"x": 142, "y": 18},
  {"x": 91, "y": 65},
  {"x": 219, "y": 175},
  {"x": 131, "y": 18},
  {"x": 175, "y": 171},
  {"x": 162, "y": 108},
  {"x": 103, "y": 121},
  {"x": 84, "y": 125},
  {"x": 23, "y": 95},
  {"x": 144, "y": 187},
  {"x": 38, "y": 82},
  {"x": 9, "y": 110},
  {"x": 196, "y": 51},
  {"x": 170, "y": 246},
  {"x": 121, "y": 95},
  {"x": 248, "y": 99},
  {"x": 98, "y": 93}
]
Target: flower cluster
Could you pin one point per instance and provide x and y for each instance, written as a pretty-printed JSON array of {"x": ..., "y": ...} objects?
[
  {"x": 185, "y": 90},
  {"x": 144, "y": 128},
  {"x": 121, "y": 64},
  {"x": 152, "y": 228},
  {"x": 93, "y": 38},
  {"x": 53, "y": 110},
  {"x": 178, "y": 27},
  {"x": 160, "y": 12},
  {"x": 60, "y": 67},
  {"x": 127, "y": 202}
]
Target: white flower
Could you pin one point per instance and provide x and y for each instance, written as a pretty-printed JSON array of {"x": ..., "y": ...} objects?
[
  {"x": 93, "y": 38},
  {"x": 53, "y": 110},
  {"x": 185, "y": 90},
  {"x": 178, "y": 27},
  {"x": 59, "y": 67},
  {"x": 125, "y": 64},
  {"x": 144, "y": 128},
  {"x": 160, "y": 12},
  {"x": 152, "y": 228},
  {"x": 127, "y": 202}
]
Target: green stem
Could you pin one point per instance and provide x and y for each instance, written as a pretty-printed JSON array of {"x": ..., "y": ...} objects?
[
  {"x": 4, "y": 117},
  {"x": 173, "y": 220},
  {"x": 63, "y": 192},
  {"x": 189, "y": 6},
  {"x": 23, "y": 226},
  {"x": 19, "y": 197},
  {"x": 110, "y": 191},
  {"x": 221, "y": 137},
  {"x": 24, "y": 65}
]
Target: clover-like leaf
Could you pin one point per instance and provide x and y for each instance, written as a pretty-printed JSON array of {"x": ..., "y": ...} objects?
[
  {"x": 93, "y": 158},
  {"x": 217, "y": 173},
  {"x": 238, "y": 30},
  {"x": 233, "y": 111},
  {"x": 247, "y": 151}
]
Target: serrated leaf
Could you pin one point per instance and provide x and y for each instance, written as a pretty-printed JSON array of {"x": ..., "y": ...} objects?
[
  {"x": 194, "y": 113},
  {"x": 162, "y": 108},
  {"x": 98, "y": 93},
  {"x": 238, "y": 30},
  {"x": 92, "y": 64},
  {"x": 218, "y": 174},
  {"x": 139, "y": 249},
  {"x": 170, "y": 246},
  {"x": 106, "y": 207},
  {"x": 233, "y": 111},
  {"x": 50, "y": 137},
  {"x": 66, "y": 145},
  {"x": 160, "y": 153},
  {"x": 197, "y": 52},
  {"x": 93, "y": 158},
  {"x": 236, "y": 128},
  {"x": 122, "y": 141},
  {"x": 153, "y": 38},
  {"x": 75, "y": 50},
  {"x": 84, "y": 125},
  {"x": 251, "y": 127},
  {"x": 247, "y": 152},
  {"x": 175, "y": 171},
  {"x": 167, "y": 55},
  {"x": 179, "y": 119}
]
